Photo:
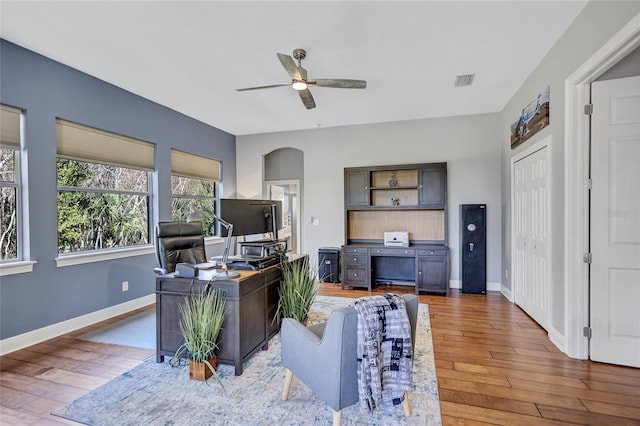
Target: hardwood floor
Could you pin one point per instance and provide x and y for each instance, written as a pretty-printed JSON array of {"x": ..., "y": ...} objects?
[{"x": 494, "y": 366}]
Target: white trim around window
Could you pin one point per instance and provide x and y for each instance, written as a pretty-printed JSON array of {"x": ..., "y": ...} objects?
[
  {"x": 79, "y": 258},
  {"x": 18, "y": 267}
]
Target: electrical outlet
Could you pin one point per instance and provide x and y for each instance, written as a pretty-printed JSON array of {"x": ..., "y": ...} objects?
[{"x": 125, "y": 285}]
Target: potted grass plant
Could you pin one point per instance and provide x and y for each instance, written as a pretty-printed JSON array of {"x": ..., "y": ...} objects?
[
  {"x": 202, "y": 314},
  {"x": 297, "y": 291}
]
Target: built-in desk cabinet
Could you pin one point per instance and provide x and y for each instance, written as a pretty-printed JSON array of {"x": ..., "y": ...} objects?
[{"x": 411, "y": 198}]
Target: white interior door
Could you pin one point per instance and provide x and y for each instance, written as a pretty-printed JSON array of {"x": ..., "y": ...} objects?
[
  {"x": 615, "y": 222},
  {"x": 531, "y": 263}
]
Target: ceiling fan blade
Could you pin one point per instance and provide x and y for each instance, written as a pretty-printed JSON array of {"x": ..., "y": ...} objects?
[
  {"x": 289, "y": 65},
  {"x": 340, "y": 83},
  {"x": 307, "y": 99},
  {"x": 263, "y": 87}
]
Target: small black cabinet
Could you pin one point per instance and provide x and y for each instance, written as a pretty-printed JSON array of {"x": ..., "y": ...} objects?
[{"x": 329, "y": 264}]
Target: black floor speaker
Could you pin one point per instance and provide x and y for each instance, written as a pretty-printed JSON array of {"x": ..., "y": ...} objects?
[{"x": 473, "y": 248}]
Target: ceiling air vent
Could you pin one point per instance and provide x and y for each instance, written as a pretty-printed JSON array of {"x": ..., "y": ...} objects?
[{"x": 464, "y": 80}]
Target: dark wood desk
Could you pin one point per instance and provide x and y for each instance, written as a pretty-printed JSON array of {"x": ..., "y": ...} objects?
[{"x": 251, "y": 303}]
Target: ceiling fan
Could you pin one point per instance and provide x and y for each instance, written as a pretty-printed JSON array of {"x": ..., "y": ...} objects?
[{"x": 300, "y": 82}]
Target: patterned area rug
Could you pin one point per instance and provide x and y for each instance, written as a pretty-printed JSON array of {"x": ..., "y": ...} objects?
[{"x": 158, "y": 394}]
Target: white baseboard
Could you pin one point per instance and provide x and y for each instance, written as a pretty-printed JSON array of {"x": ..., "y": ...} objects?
[
  {"x": 491, "y": 286},
  {"x": 30, "y": 338},
  {"x": 557, "y": 339},
  {"x": 506, "y": 292}
]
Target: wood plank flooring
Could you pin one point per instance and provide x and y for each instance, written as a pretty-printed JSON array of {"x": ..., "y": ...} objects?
[{"x": 494, "y": 366}]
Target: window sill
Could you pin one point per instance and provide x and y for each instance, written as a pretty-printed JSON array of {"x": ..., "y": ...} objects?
[
  {"x": 89, "y": 257},
  {"x": 18, "y": 267},
  {"x": 82, "y": 258}
]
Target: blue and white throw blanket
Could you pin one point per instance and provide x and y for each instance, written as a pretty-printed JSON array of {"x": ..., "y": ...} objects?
[{"x": 384, "y": 350}]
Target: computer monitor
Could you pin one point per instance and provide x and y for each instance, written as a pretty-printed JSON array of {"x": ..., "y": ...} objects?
[{"x": 250, "y": 217}]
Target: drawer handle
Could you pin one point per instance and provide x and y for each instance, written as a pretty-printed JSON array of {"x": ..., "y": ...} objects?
[
  {"x": 355, "y": 259},
  {"x": 419, "y": 272},
  {"x": 431, "y": 251},
  {"x": 355, "y": 275}
]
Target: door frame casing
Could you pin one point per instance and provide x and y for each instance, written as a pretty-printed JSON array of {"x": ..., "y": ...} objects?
[
  {"x": 533, "y": 148},
  {"x": 265, "y": 192},
  {"x": 577, "y": 162}
]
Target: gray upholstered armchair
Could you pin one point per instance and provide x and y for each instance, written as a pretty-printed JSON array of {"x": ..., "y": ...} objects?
[{"x": 323, "y": 356}]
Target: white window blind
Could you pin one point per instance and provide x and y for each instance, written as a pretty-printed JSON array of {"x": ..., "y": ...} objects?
[
  {"x": 195, "y": 166},
  {"x": 78, "y": 142},
  {"x": 9, "y": 127}
]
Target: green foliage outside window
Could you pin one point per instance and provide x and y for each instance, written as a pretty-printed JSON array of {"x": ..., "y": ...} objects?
[
  {"x": 101, "y": 206},
  {"x": 192, "y": 195}
]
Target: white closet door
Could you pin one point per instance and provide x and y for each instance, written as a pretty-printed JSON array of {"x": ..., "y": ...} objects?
[
  {"x": 615, "y": 222},
  {"x": 531, "y": 266}
]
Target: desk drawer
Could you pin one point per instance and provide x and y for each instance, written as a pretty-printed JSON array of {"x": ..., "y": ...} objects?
[
  {"x": 355, "y": 259},
  {"x": 433, "y": 252},
  {"x": 400, "y": 251},
  {"x": 355, "y": 250},
  {"x": 356, "y": 276}
]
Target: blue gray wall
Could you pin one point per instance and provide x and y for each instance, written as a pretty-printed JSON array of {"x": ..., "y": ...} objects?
[{"x": 47, "y": 90}]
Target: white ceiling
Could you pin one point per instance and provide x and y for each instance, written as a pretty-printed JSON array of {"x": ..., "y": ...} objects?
[{"x": 191, "y": 56}]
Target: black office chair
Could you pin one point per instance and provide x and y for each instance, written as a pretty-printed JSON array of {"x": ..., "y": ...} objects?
[{"x": 178, "y": 242}]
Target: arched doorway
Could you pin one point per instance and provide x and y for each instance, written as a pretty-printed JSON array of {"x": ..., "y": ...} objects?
[{"x": 283, "y": 179}]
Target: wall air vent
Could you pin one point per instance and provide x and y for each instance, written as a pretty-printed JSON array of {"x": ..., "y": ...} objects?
[{"x": 464, "y": 80}]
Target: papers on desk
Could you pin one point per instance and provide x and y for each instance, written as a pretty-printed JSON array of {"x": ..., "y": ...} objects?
[
  {"x": 206, "y": 265},
  {"x": 216, "y": 274}
]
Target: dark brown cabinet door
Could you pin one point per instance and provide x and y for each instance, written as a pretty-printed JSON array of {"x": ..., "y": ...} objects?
[
  {"x": 432, "y": 186},
  {"x": 432, "y": 274},
  {"x": 357, "y": 187}
]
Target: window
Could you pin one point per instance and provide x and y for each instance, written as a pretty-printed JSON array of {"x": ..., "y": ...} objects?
[
  {"x": 10, "y": 191},
  {"x": 104, "y": 193},
  {"x": 193, "y": 188}
]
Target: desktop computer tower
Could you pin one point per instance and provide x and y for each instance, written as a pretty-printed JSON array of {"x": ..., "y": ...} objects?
[
  {"x": 473, "y": 248},
  {"x": 329, "y": 264}
]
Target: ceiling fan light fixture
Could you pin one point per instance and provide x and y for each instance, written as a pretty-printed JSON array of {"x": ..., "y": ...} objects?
[{"x": 299, "y": 85}]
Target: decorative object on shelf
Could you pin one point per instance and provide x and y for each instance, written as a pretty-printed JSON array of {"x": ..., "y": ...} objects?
[
  {"x": 393, "y": 181},
  {"x": 297, "y": 290},
  {"x": 202, "y": 314},
  {"x": 534, "y": 117},
  {"x": 395, "y": 201}
]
